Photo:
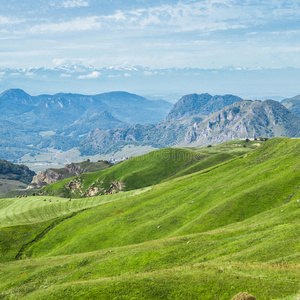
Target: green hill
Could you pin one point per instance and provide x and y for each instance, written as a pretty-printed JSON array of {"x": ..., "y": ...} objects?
[
  {"x": 219, "y": 230},
  {"x": 146, "y": 170}
]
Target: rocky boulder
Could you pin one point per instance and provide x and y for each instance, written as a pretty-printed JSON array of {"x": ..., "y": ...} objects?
[
  {"x": 44, "y": 178},
  {"x": 243, "y": 296}
]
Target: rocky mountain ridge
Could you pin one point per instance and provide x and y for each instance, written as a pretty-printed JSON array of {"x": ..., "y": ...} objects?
[
  {"x": 197, "y": 120},
  {"x": 169, "y": 132},
  {"x": 245, "y": 119},
  {"x": 100, "y": 124}
]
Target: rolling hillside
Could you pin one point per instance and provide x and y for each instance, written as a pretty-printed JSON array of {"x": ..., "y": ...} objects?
[
  {"x": 224, "y": 227},
  {"x": 146, "y": 170}
]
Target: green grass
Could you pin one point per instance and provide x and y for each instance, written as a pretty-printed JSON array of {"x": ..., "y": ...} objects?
[
  {"x": 153, "y": 168},
  {"x": 213, "y": 229},
  {"x": 204, "y": 281},
  {"x": 34, "y": 209},
  {"x": 137, "y": 172}
]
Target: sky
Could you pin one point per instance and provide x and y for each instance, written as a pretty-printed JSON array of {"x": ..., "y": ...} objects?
[{"x": 204, "y": 34}]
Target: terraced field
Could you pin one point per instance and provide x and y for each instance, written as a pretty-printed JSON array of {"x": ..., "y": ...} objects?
[{"x": 209, "y": 230}]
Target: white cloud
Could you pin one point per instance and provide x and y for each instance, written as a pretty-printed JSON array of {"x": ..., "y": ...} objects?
[
  {"x": 205, "y": 16},
  {"x": 8, "y": 21},
  {"x": 65, "y": 75},
  {"x": 77, "y": 24},
  {"x": 150, "y": 72},
  {"x": 93, "y": 75},
  {"x": 75, "y": 3},
  {"x": 127, "y": 75},
  {"x": 60, "y": 61},
  {"x": 29, "y": 74},
  {"x": 15, "y": 74}
]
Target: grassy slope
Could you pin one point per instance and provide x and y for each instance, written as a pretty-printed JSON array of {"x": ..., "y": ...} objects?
[
  {"x": 212, "y": 234},
  {"x": 154, "y": 167},
  {"x": 136, "y": 172}
]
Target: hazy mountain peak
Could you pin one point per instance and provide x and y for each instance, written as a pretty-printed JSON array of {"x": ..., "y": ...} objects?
[
  {"x": 14, "y": 93},
  {"x": 293, "y": 104},
  {"x": 245, "y": 119},
  {"x": 16, "y": 96},
  {"x": 204, "y": 104}
]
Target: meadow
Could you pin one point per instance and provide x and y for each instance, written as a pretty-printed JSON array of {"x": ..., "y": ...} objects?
[{"x": 209, "y": 224}]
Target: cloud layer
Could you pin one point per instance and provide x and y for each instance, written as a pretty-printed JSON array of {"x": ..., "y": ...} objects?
[
  {"x": 160, "y": 33},
  {"x": 75, "y": 3}
]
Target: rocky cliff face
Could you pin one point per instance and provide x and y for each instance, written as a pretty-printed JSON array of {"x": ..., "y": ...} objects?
[
  {"x": 44, "y": 178},
  {"x": 49, "y": 176},
  {"x": 245, "y": 119}
]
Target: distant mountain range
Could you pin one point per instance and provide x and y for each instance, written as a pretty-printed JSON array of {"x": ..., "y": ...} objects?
[
  {"x": 198, "y": 120},
  {"x": 33, "y": 123},
  {"x": 105, "y": 123},
  {"x": 171, "y": 131},
  {"x": 53, "y": 112}
]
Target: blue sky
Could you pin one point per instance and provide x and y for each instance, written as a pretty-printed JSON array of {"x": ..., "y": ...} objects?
[{"x": 156, "y": 33}]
